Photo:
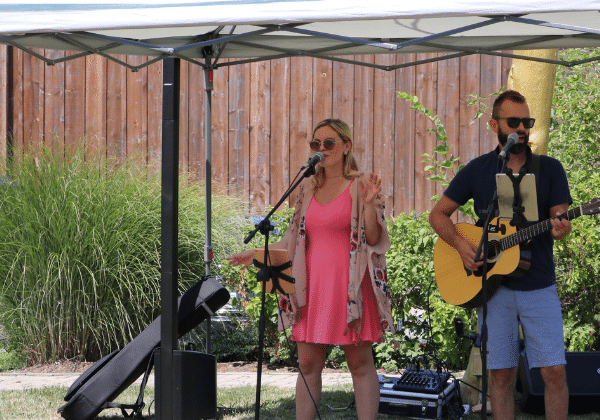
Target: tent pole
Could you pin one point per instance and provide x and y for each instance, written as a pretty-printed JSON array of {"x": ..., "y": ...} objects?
[
  {"x": 208, "y": 87},
  {"x": 208, "y": 250},
  {"x": 169, "y": 232}
]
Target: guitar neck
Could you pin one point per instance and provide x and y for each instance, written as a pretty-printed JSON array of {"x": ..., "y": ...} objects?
[{"x": 537, "y": 229}]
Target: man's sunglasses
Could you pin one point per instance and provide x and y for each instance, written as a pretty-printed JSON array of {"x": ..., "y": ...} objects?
[
  {"x": 329, "y": 144},
  {"x": 514, "y": 122}
]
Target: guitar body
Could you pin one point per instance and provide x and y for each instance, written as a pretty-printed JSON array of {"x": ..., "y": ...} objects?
[{"x": 462, "y": 287}]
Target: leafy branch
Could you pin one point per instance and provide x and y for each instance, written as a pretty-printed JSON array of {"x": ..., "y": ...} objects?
[{"x": 441, "y": 163}]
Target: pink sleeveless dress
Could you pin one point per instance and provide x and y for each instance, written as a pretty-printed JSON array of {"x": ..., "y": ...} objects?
[{"x": 327, "y": 272}]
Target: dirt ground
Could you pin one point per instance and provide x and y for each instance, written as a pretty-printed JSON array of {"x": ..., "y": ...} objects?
[{"x": 80, "y": 367}]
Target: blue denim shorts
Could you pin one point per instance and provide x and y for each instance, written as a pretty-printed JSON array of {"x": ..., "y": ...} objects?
[{"x": 538, "y": 311}]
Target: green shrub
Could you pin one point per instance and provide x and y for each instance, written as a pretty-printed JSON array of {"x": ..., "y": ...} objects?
[
  {"x": 247, "y": 285},
  {"x": 235, "y": 343},
  {"x": 427, "y": 327},
  {"x": 574, "y": 140},
  {"x": 10, "y": 358},
  {"x": 80, "y": 252}
]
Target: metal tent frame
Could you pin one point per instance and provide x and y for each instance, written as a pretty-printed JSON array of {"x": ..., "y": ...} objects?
[{"x": 206, "y": 44}]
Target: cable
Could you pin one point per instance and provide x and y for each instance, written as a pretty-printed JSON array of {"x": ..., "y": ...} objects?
[
  {"x": 429, "y": 326},
  {"x": 475, "y": 388},
  {"x": 287, "y": 341}
]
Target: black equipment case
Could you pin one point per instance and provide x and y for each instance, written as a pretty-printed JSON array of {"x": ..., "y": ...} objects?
[
  {"x": 98, "y": 386},
  {"x": 412, "y": 404}
]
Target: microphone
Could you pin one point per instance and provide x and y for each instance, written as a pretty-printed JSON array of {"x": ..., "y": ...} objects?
[
  {"x": 316, "y": 158},
  {"x": 512, "y": 140}
]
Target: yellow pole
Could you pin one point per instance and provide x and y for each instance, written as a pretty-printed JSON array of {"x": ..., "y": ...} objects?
[{"x": 535, "y": 81}]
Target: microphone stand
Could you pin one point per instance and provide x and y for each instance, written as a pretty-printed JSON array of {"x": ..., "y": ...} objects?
[
  {"x": 264, "y": 227},
  {"x": 483, "y": 247}
]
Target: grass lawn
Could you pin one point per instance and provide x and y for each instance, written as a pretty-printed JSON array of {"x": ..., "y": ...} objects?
[{"x": 233, "y": 404}]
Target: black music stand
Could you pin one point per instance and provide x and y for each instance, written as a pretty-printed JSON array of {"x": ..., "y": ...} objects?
[{"x": 278, "y": 268}]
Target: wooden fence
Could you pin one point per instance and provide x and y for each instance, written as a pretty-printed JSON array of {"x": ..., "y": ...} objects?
[{"x": 263, "y": 114}]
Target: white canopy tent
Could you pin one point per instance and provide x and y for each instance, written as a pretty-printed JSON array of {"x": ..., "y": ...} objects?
[
  {"x": 205, "y": 31},
  {"x": 272, "y": 29}
]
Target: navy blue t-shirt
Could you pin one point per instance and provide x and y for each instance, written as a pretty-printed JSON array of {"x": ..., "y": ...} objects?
[{"x": 477, "y": 180}]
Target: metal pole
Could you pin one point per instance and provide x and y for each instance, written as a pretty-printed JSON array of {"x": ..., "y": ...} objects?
[
  {"x": 169, "y": 233},
  {"x": 208, "y": 250},
  {"x": 208, "y": 87}
]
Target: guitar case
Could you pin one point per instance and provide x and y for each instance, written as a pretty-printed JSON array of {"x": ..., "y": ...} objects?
[{"x": 98, "y": 386}]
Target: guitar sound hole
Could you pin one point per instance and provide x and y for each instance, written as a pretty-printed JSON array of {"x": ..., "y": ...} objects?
[{"x": 494, "y": 250}]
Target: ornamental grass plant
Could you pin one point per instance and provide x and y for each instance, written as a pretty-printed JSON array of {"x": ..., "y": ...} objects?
[{"x": 80, "y": 251}]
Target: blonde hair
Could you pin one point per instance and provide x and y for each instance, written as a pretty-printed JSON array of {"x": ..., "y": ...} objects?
[{"x": 350, "y": 168}]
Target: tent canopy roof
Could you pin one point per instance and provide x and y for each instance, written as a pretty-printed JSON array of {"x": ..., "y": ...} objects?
[{"x": 265, "y": 29}]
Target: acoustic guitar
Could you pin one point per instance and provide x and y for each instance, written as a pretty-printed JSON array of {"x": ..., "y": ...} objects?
[{"x": 462, "y": 287}]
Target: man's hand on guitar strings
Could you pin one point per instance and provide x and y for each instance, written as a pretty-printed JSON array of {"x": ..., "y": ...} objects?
[
  {"x": 561, "y": 227},
  {"x": 467, "y": 252}
]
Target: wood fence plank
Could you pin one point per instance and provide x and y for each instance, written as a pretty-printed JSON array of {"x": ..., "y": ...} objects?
[
  {"x": 260, "y": 136},
  {"x": 5, "y": 97},
  {"x": 54, "y": 101},
  {"x": 469, "y": 127},
  {"x": 75, "y": 88},
  {"x": 404, "y": 150},
  {"x": 425, "y": 142},
  {"x": 18, "y": 117},
  {"x": 219, "y": 124},
  {"x": 155, "y": 96},
  {"x": 384, "y": 101},
  {"x": 490, "y": 82},
  {"x": 239, "y": 139},
  {"x": 301, "y": 124},
  {"x": 343, "y": 90},
  {"x": 322, "y": 100},
  {"x": 33, "y": 100},
  {"x": 184, "y": 111},
  {"x": 280, "y": 129},
  {"x": 363, "y": 114},
  {"x": 506, "y": 66},
  {"x": 196, "y": 141},
  {"x": 95, "y": 104},
  {"x": 137, "y": 110},
  {"x": 448, "y": 105},
  {"x": 116, "y": 110}
]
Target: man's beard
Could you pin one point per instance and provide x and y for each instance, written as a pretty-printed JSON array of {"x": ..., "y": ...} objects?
[{"x": 518, "y": 148}]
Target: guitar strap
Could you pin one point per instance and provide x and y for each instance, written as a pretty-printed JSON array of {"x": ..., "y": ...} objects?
[{"x": 534, "y": 167}]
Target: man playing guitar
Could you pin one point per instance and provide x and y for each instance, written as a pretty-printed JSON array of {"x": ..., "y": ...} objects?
[{"x": 532, "y": 299}]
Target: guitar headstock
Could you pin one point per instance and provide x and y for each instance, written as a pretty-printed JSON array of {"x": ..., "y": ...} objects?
[{"x": 591, "y": 207}]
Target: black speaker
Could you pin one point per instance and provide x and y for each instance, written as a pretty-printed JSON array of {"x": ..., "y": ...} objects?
[
  {"x": 194, "y": 385},
  {"x": 583, "y": 379}
]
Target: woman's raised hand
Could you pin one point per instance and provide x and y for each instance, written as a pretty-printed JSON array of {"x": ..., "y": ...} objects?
[
  {"x": 370, "y": 188},
  {"x": 244, "y": 258}
]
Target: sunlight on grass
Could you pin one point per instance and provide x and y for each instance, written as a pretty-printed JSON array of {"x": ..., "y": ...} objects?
[{"x": 232, "y": 404}]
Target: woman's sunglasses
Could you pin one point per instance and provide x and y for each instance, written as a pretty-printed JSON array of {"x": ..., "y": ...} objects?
[
  {"x": 329, "y": 144},
  {"x": 514, "y": 122}
]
